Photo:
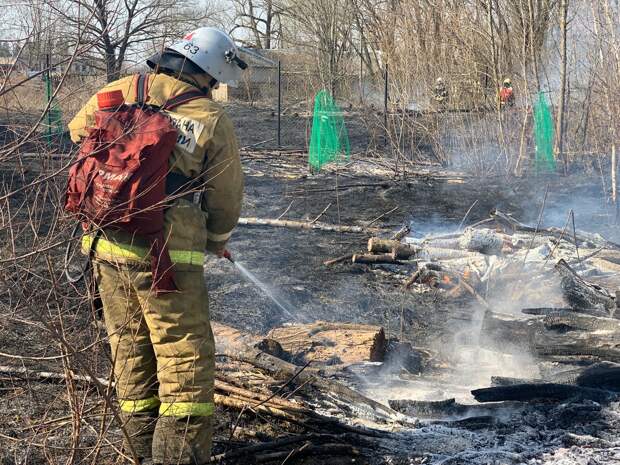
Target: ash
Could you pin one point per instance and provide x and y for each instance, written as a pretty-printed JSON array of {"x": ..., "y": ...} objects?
[{"x": 530, "y": 374}]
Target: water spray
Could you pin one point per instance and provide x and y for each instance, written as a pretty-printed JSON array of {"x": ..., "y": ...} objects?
[{"x": 262, "y": 286}]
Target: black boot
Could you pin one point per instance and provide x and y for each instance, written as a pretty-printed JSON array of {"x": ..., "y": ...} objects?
[
  {"x": 182, "y": 440},
  {"x": 140, "y": 428}
]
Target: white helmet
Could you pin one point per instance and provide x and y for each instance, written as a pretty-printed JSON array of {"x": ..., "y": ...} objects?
[{"x": 214, "y": 52}]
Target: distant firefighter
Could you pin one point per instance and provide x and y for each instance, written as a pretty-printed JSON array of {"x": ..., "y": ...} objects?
[
  {"x": 440, "y": 92},
  {"x": 506, "y": 94}
]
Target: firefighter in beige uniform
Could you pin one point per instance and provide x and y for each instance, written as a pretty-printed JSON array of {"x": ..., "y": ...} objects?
[{"x": 163, "y": 346}]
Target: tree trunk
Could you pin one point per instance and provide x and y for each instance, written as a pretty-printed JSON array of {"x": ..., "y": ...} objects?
[
  {"x": 562, "y": 103},
  {"x": 112, "y": 73}
]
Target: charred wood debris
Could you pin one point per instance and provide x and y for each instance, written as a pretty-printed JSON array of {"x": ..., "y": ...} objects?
[
  {"x": 295, "y": 373},
  {"x": 289, "y": 384}
]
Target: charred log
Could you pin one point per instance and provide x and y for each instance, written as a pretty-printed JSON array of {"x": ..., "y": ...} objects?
[
  {"x": 471, "y": 423},
  {"x": 503, "y": 332},
  {"x": 426, "y": 409},
  {"x": 497, "y": 381},
  {"x": 283, "y": 443},
  {"x": 331, "y": 343},
  {"x": 377, "y": 245},
  {"x": 603, "y": 346},
  {"x": 544, "y": 311},
  {"x": 582, "y": 295},
  {"x": 308, "y": 450},
  {"x": 605, "y": 375},
  {"x": 449, "y": 408},
  {"x": 544, "y": 391},
  {"x": 566, "y": 320}
]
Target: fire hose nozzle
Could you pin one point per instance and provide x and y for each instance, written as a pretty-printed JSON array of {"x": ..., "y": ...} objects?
[{"x": 228, "y": 256}]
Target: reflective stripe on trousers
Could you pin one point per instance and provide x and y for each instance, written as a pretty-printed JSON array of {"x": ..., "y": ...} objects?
[
  {"x": 186, "y": 409},
  {"x": 140, "y": 405},
  {"x": 167, "y": 409},
  {"x": 109, "y": 250}
]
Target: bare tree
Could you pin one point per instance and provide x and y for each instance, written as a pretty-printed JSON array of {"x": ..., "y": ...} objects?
[
  {"x": 261, "y": 19},
  {"x": 120, "y": 27},
  {"x": 326, "y": 26}
]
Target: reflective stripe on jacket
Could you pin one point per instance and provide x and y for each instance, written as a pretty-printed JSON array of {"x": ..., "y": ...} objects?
[{"x": 206, "y": 150}]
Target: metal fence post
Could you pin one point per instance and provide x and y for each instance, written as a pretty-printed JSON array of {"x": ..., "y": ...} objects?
[
  {"x": 385, "y": 102},
  {"x": 279, "y": 102},
  {"x": 48, "y": 97}
]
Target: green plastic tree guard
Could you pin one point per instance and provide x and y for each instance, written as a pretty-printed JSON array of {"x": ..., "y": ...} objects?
[
  {"x": 543, "y": 132},
  {"x": 329, "y": 141},
  {"x": 54, "y": 114}
]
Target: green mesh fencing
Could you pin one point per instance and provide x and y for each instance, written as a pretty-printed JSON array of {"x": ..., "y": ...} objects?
[
  {"x": 53, "y": 119},
  {"x": 543, "y": 131},
  {"x": 329, "y": 141}
]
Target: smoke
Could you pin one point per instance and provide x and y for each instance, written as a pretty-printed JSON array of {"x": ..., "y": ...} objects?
[{"x": 482, "y": 341}]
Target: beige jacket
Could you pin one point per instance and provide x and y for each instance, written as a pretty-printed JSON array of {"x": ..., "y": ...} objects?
[{"x": 206, "y": 149}]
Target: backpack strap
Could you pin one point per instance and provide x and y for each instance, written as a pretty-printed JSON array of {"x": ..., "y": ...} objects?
[
  {"x": 142, "y": 84},
  {"x": 142, "y": 91},
  {"x": 183, "y": 98}
]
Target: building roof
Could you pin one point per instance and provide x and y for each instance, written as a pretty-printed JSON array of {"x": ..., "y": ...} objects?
[{"x": 10, "y": 61}]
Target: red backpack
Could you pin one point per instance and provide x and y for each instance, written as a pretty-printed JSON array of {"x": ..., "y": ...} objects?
[{"x": 119, "y": 180}]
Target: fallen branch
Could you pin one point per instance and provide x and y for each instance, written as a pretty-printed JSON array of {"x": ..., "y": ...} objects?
[
  {"x": 235, "y": 348},
  {"x": 309, "y": 451},
  {"x": 412, "y": 279},
  {"x": 258, "y": 397},
  {"x": 401, "y": 233},
  {"x": 242, "y": 404},
  {"x": 25, "y": 373},
  {"x": 372, "y": 259},
  {"x": 513, "y": 225},
  {"x": 308, "y": 225},
  {"x": 345, "y": 439},
  {"x": 381, "y": 216},
  {"x": 342, "y": 258},
  {"x": 320, "y": 214},
  {"x": 275, "y": 406}
]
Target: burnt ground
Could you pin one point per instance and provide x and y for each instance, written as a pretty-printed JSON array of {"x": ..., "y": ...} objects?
[
  {"x": 291, "y": 262},
  {"x": 429, "y": 198}
]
